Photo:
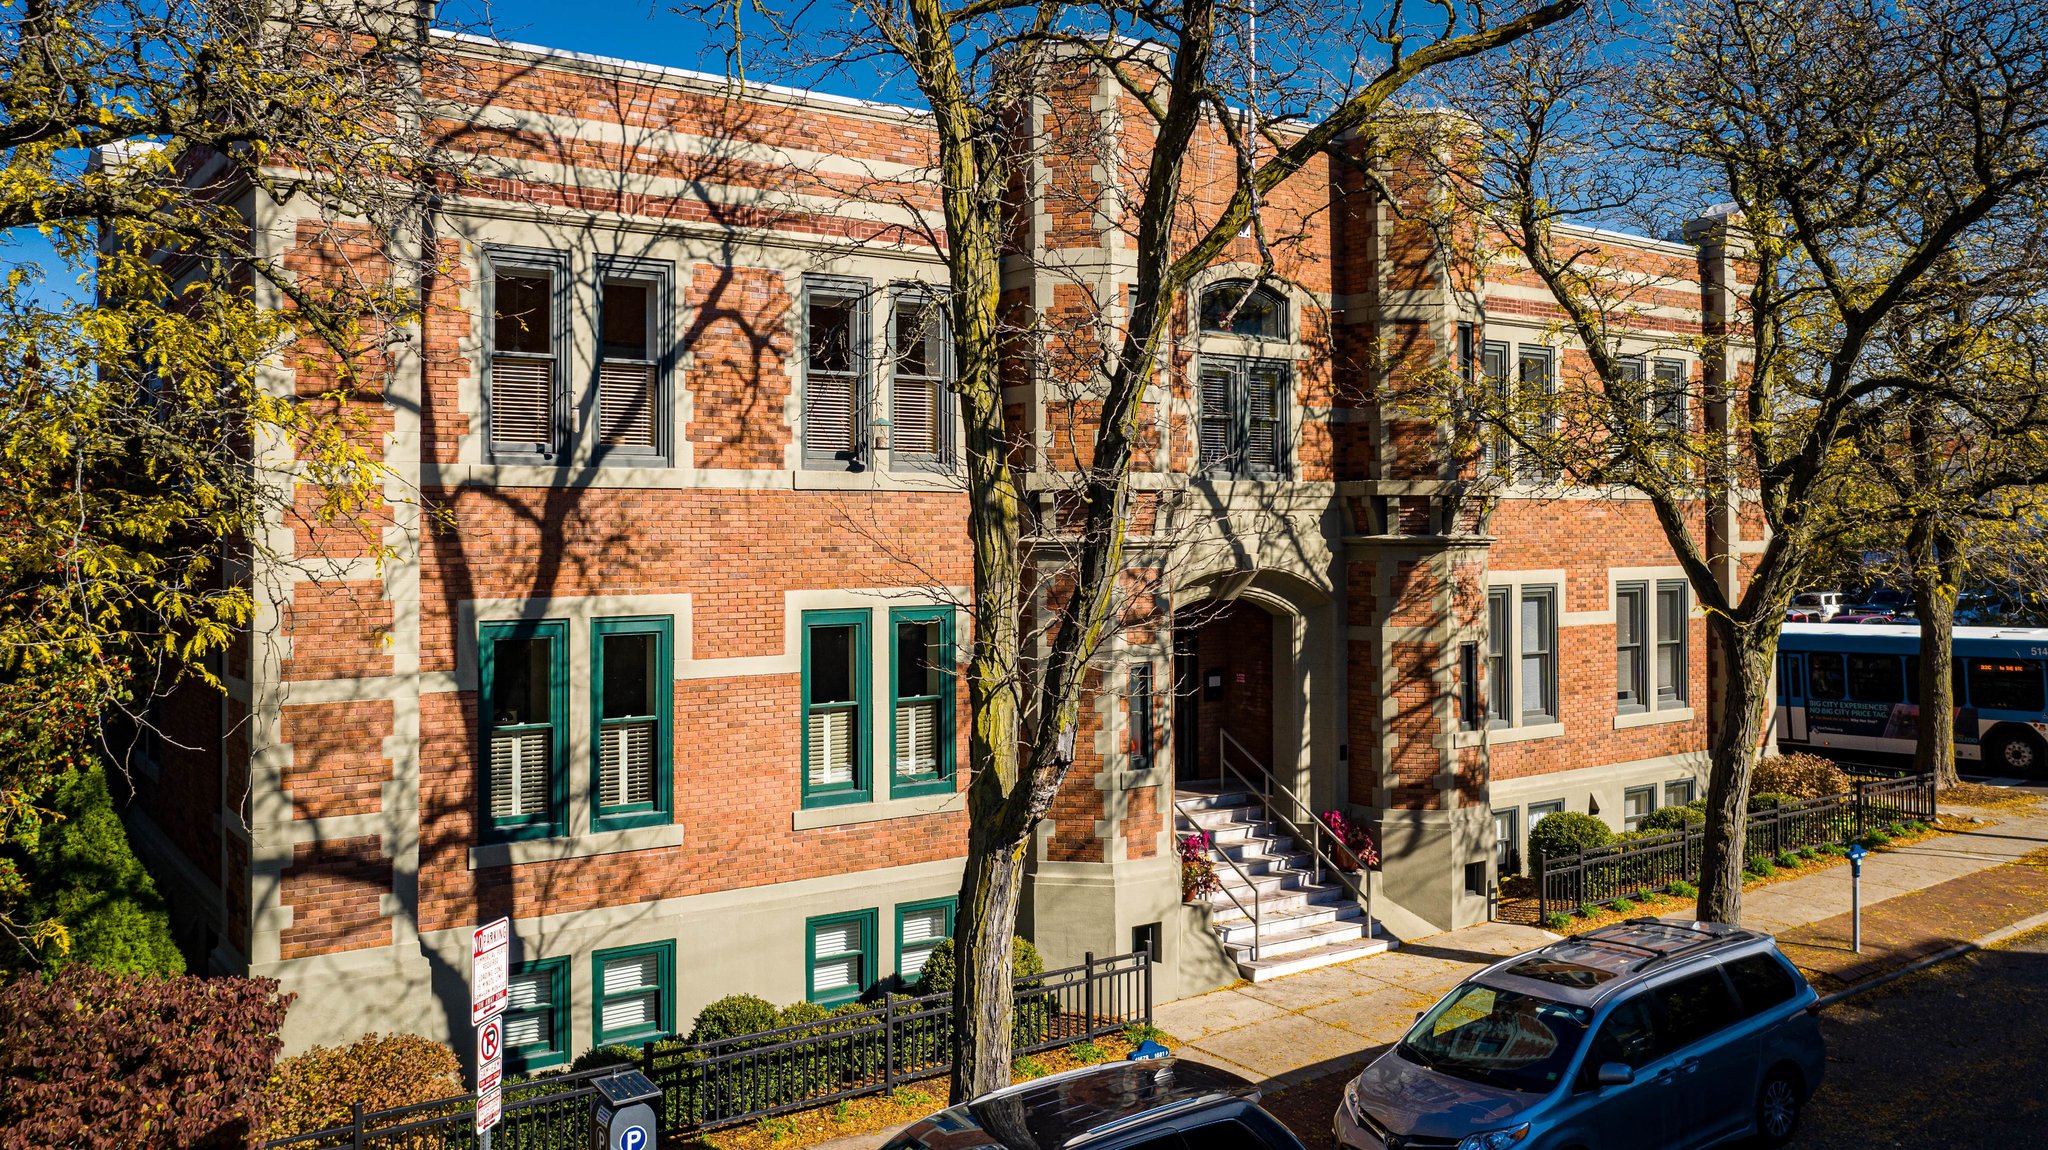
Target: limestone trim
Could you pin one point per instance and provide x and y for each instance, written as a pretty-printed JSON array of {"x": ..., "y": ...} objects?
[
  {"x": 576, "y": 846},
  {"x": 882, "y": 810}
]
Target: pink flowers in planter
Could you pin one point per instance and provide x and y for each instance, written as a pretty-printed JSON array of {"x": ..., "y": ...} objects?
[
  {"x": 1358, "y": 844},
  {"x": 1197, "y": 870}
]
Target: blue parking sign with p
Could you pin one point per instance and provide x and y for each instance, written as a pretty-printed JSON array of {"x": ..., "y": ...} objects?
[{"x": 633, "y": 1138}]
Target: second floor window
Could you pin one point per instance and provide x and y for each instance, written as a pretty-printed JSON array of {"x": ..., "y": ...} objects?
[
  {"x": 835, "y": 702},
  {"x": 922, "y": 711},
  {"x": 1243, "y": 405},
  {"x": 1240, "y": 307},
  {"x": 524, "y": 359},
  {"x": 920, "y": 388},
  {"x": 628, "y": 370},
  {"x": 1538, "y": 642},
  {"x": 634, "y": 680},
  {"x": 835, "y": 370},
  {"x": 1631, "y": 670},
  {"x": 524, "y": 679}
]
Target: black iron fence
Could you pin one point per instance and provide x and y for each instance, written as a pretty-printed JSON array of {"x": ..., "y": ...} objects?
[
  {"x": 707, "y": 1085},
  {"x": 1638, "y": 866}
]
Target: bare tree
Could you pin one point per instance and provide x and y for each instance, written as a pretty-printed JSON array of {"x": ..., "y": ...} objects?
[{"x": 1853, "y": 150}]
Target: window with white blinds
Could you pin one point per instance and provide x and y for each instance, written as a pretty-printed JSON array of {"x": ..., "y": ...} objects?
[
  {"x": 834, "y": 706},
  {"x": 628, "y": 376},
  {"x": 841, "y": 959},
  {"x": 919, "y": 394},
  {"x": 919, "y": 928},
  {"x": 633, "y": 684},
  {"x": 1536, "y": 383},
  {"x": 524, "y": 355},
  {"x": 536, "y": 1009},
  {"x": 1494, "y": 446},
  {"x": 835, "y": 371},
  {"x": 523, "y": 674},
  {"x": 922, "y": 697},
  {"x": 632, "y": 992},
  {"x": 1242, "y": 422}
]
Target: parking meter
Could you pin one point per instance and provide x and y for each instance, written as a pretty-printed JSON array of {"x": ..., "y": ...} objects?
[
  {"x": 1856, "y": 853},
  {"x": 623, "y": 1116}
]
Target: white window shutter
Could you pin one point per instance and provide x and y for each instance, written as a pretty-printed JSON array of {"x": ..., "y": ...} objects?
[
  {"x": 626, "y": 405},
  {"x": 522, "y": 400},
  {"x": 832, "y": 747},
  {"x": 917, "y": 738},
  {"x": 519, "y": 773},
  {"x": 626, "y": 764}
]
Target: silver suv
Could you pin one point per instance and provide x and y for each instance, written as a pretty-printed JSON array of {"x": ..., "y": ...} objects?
[{"x": 1639, "y": 1036}]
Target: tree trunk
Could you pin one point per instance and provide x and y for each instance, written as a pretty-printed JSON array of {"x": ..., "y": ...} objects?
[
  {"x": 1738, "y": 695},
  {"x": 1936, "y": 585},
  {"x": 984, "y": 1001}
]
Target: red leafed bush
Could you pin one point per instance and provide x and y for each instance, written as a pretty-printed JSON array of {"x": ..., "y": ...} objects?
[{"x": 91, "y": 1059}]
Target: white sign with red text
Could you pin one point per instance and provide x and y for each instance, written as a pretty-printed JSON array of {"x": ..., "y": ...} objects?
[
  {"x": 490, "y": 970},
  {"x": 490, "y": 1054},
  {"x": 490, "y": 1106}
]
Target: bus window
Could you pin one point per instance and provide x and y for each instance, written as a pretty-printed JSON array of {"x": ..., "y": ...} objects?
[
  {"x": 2006, "y": 685},
  {"x": 1824, "y": 677},
  {"x": 1955, "y": 680},
  {"x": 1875, "y": 678}
]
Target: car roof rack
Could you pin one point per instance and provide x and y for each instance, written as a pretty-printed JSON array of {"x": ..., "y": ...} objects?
[{"x": 1676, "y": 941}]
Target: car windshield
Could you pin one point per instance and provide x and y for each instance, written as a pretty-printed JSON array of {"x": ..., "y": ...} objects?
[{"x": 1500, "y": 1037}]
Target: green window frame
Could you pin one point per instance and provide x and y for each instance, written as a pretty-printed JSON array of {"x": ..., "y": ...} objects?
[
  {"x": 909, "y": 914},
  {"x": 512, "y": 805},
  {"x": 619, "y": 741},
  {"x": 830, "y": 931},
  {"x": 921, "y": 723},
  {"x": 836, "y": 754},
  {"x": 657, "y": 959},
  {"x": 549, "y": 1018}
]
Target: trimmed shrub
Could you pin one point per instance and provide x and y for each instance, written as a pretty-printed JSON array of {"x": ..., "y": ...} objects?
[
  {"x": 1567, "y": 832},
  {"x": 1664, "y": 820},
  {"x": 83, "y": 875},
  {"x": 937, "y": 977},
  {"x": 158, "y": 1062},
  {"x": 598, "y": 1057},
  {"x": 733, "y": 1016},
  {"x": 314, "y": 1090},
  {"x": 1769, "y": 800},
  {"x": 1801, "y": 776}
]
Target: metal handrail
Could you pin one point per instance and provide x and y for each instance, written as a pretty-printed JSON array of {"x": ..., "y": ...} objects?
[
  {"x": 1232, "y": 863},
  {"x": 1323, "y": 859}
]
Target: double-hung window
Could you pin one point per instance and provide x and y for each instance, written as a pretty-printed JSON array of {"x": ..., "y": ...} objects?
[
  {"x": 1507, "y": 841},
  {"x": 523, "y": 671},
  {"x": 633, "y": 684},
  {"x": 1538, "y": 643},
  {"x": 1499, "y": 630},
  {"x": 1468, "y": 686},
  {"x": 920, "y": 390},
  {"x": 536, "y": 1026},
  {"x": 633, "y": 992},
  {"x": 527, "y": 333},
  {"x": 835, "y": 370},
  {"x": 835, "y": 708},
  {"x": 1495, "y": 446},
  {"x": 1536, "y": 381},
  {"x": 920, "y": 926},
  {"x": 1140, "y": 717},
  {"x": 921, "y": 706},
  {"x": 1667, "y": 400},
  {"x": 1671, "y": 629},
  {"x": 841, "y": 957},
  {"x": 629, "y": 366},
  {"x": 1631, "y": 667},
  {"x": 1243, "y": 432},
  {"x": 1636, "y": 805},
  {"x": 1679, "y": 792}
]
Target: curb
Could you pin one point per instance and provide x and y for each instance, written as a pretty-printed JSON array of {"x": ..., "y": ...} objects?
[{"x": 1957, "y": 951}]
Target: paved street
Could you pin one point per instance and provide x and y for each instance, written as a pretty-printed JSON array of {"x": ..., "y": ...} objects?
[{"x": 1948, "y": 1058}]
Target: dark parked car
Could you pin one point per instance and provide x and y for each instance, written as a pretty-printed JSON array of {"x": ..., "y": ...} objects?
[
  {"x": 1645, "y": 1035},
  {"x": 1153, "y": 1104}
]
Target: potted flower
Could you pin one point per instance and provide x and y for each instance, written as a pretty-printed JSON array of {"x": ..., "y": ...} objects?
[
  {"x": 1356, "y": 850},
  {"x": 1197, "y": 870}
]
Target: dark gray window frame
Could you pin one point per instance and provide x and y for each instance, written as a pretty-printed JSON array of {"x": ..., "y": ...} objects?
[
  {"x": 661, "y": 274},
  {"x": 555, "y": 265},
  {"x": 1236, "y": 463},
  {"x": 1632, "y": 603},
  {"x": 944, "y": 416},
  {"x": 862, "y": 353}
]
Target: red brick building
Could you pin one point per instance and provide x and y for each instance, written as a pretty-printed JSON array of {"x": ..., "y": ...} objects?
[{"x": 667, "y": 671}]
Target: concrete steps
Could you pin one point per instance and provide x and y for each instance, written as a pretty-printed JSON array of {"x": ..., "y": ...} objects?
[{"x": 1303, "y": 924}]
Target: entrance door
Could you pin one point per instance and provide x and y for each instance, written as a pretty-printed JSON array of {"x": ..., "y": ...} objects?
[
  {"x": 1187, "y": 692},
  {"x": 1792, "y": 676}
]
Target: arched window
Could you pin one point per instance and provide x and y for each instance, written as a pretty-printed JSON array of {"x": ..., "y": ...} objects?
[{"x": 1240, "y": 307}]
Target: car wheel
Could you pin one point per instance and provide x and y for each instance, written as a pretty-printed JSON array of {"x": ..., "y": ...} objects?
[
  {"x": 1777, "y": 1109},
  {"x": 2015, "y": 751}
]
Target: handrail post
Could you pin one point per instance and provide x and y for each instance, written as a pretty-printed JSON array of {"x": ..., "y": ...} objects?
[
  {"x": 356, "y": 1122},
  {"x": 1148, "y": 987},
  {"x": 1088, "y": 991},
  {"x": 889, "y": 1041}
]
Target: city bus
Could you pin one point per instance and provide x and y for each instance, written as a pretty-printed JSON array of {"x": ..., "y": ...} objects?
[{"x": 1852, "y": 689}]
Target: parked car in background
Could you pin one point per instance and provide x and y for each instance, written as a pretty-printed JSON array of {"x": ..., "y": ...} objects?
[
  {"x": 1861, "y": 617},
  {"x": 1644, "y": 1035},
  {"x": 1828, "y": 603},
  {"x": 1803, "y": 615},
  {"x": 1883, "y": 601},
  {"x": 1149, "y": 1104}
]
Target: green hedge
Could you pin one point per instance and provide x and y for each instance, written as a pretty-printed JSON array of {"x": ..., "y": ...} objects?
[{"x": 1565, "y": 833}]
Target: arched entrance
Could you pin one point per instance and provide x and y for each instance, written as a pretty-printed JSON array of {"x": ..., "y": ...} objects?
[{"x": 1223, "y": 662}]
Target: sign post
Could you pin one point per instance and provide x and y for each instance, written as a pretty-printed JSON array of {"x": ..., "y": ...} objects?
[
  {"x": 490, "y": 979},
  {"x": 1856, "y": 853}
]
